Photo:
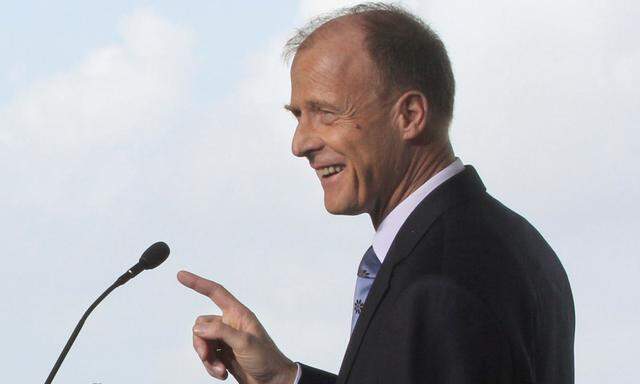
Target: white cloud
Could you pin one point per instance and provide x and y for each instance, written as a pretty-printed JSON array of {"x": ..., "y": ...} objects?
[
  {"x": 122, "y": 89},
  {"x": 61, "y": 131},
  {"x": 541, "y": 88}
]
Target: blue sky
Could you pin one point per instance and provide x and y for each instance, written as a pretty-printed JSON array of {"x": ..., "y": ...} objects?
[
  {"x": 43, "y": 37},
  {"x": 130, "y": 122}
]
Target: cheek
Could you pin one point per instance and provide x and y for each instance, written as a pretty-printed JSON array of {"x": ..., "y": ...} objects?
[
  {"x": 364, "y": 152},
  {"x": 363, "y": 157},
  {"x": 376, "y": 165},
  {"x": 343, "y": 139}
]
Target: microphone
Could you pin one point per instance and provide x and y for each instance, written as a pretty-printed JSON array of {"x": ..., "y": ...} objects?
[{"x": 155, "y": 255}]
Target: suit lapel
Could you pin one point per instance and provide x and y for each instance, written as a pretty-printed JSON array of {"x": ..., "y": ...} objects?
[{"x": 458, "y": 189}]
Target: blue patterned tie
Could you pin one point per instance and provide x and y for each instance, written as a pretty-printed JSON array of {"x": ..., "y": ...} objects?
[{"x": 367, "y": 271}]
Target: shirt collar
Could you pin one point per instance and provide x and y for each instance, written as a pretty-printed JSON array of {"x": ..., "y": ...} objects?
[{"x": 391, "y": 224}]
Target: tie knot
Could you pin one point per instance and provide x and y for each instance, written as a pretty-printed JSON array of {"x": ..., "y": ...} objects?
[{"x": 370, "y": 265}]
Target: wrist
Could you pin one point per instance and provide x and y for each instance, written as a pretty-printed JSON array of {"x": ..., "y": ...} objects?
[{"x": 287, "y": 374}]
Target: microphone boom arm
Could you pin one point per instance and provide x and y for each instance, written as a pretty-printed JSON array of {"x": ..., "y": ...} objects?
[
  {"x": 76, "y": 331},
  {"x": 155, "y": 255}
]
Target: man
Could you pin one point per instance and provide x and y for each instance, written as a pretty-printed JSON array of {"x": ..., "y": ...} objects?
[{"x": 456, "y": 288}]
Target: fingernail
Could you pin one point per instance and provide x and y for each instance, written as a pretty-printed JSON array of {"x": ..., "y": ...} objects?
[{"x": 197, "y": 329}]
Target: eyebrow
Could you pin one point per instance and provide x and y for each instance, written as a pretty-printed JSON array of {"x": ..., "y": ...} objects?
[
  {"x": 311, "y": 104},
  {"x": 291, "y": 109}
]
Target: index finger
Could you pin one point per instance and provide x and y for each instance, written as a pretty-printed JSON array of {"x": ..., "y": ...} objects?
[{"x": 216, "y": 292}]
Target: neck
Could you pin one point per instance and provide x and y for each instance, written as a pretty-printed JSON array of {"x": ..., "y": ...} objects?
[{"x": 421, "y": 166}]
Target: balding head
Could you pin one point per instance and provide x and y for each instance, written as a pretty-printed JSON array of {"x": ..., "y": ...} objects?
[
  {"x": 406, "y": 53},
  {"x": 335, "y": 49},
  {"x": 347, "y": 30},
  {"x": 371, "y": 138}
]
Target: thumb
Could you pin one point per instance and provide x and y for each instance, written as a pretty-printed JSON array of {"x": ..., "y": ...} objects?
[{"x": 217, "y": 330}]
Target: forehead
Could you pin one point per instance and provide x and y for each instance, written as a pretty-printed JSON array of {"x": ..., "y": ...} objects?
[
  {"x": 335, "y": 61},
  {"x": 322, "y": 64}
]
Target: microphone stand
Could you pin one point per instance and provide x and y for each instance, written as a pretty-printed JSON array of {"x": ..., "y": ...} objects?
[
  {"x": 121, "y": 280},
  {"x": 155, "y": 255}
]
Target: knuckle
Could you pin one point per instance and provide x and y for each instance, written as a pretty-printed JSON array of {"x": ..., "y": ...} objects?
[
  {"x": 215, "y": 328},
  {"x": 249, "y": 318},
  {"x": 217, "y": 288},
  {"x": 234, "y": 313},
  {"x": 203, "y": 329}
]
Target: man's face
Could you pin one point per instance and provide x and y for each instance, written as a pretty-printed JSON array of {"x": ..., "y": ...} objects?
[{"x": 344, "y": 127}]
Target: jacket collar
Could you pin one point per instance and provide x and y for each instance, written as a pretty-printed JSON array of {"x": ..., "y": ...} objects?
[{"x": 458, "y": 189}]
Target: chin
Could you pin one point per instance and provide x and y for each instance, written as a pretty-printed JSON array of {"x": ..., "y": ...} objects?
[{"x": 338, "y": 207}]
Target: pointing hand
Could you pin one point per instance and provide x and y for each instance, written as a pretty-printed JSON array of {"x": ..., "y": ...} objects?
[{"x": 235, "y": 342}]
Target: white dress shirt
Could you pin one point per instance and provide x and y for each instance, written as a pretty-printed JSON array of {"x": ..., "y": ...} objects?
[{"x": 391, "y": 224}]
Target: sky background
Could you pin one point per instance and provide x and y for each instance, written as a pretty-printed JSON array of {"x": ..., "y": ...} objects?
[{"x": 128, "y": 122}]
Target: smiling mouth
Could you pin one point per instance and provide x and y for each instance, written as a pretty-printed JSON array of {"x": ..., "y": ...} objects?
[{"x": 329, "y": 171}]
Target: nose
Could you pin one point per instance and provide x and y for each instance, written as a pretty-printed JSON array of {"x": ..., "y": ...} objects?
[{"x": 305, "y": 141}]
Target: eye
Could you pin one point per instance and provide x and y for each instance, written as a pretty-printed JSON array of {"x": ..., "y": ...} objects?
[{"x": 327, "y": 117}]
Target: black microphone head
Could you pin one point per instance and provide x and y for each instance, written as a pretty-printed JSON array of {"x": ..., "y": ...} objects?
[{"x": 155, "y": 255}]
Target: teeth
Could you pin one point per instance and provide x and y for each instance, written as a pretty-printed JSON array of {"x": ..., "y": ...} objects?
[{"x": 326, "y": 171}]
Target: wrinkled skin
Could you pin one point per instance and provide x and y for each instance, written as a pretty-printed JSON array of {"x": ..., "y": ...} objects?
[{"x": 375, "y": 138}]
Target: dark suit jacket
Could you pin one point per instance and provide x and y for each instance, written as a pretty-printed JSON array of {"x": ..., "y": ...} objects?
[{"x": 469, "y": 293}]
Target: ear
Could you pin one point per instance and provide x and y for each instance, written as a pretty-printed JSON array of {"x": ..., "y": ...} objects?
[{"x": 411, "y": 114}]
